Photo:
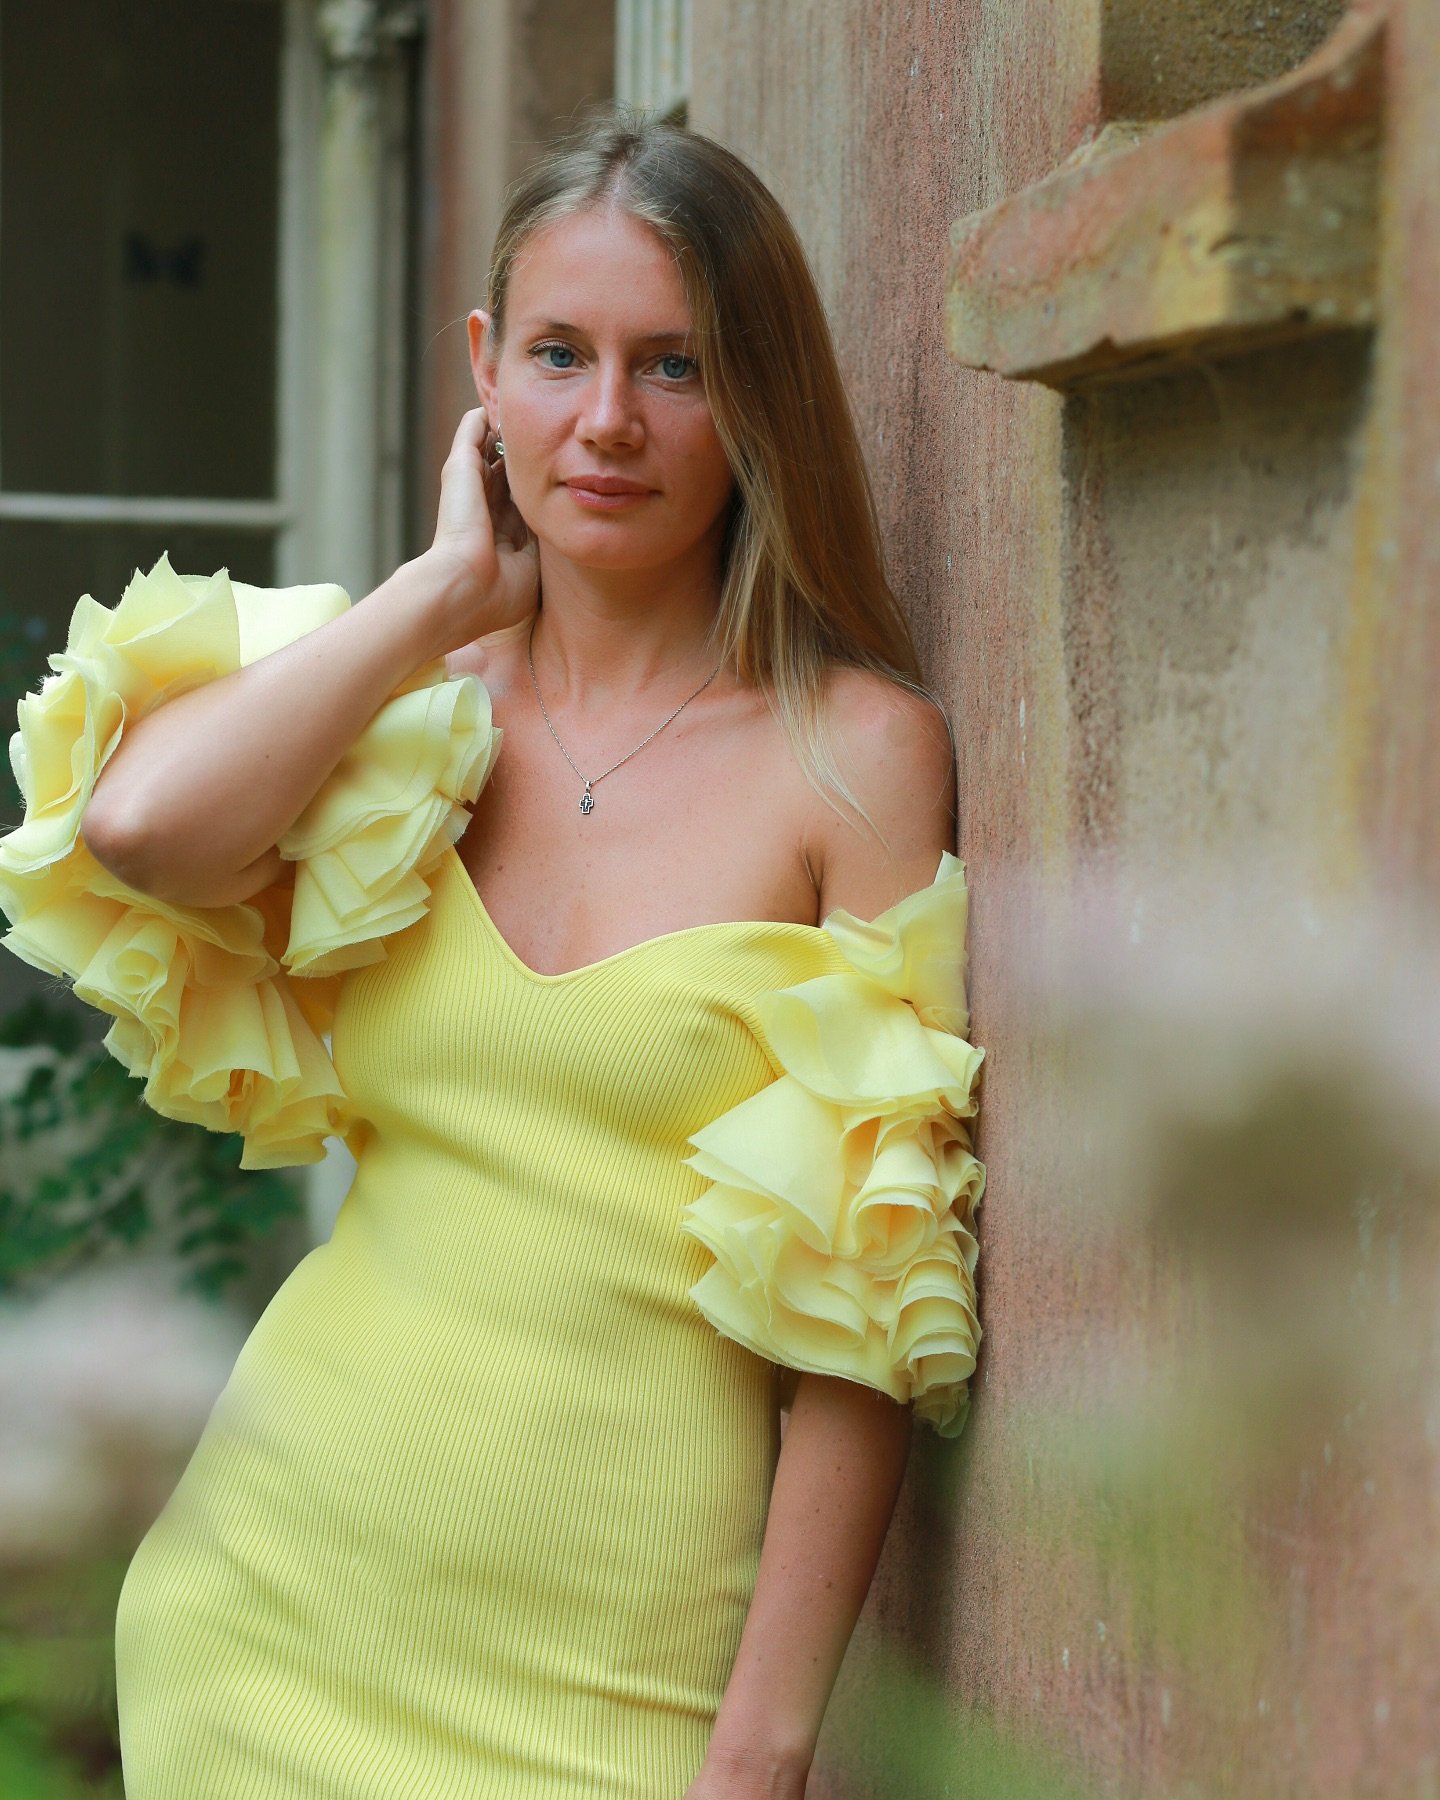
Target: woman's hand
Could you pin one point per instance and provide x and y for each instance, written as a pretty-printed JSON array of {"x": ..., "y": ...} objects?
[
  {"x": 732, "y": 1776},
  {"x": 481, "y": 538}
]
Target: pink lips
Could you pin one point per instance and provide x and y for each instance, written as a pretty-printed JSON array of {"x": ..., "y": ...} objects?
[
  {"x": 606, "y": 484},
  {"x": 605, "y": 493}
]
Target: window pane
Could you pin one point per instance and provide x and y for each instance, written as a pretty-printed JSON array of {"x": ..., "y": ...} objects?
[{"x": 139, "y": 174}]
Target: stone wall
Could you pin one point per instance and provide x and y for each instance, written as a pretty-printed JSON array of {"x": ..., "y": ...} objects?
[{"x": 1178, "y": 589}]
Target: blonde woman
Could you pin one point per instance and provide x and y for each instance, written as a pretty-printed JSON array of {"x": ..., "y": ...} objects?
[{"x": 647, "y": 1030}]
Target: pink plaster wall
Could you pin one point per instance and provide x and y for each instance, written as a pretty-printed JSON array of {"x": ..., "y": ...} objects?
[{"x": 1186, "y": 629}]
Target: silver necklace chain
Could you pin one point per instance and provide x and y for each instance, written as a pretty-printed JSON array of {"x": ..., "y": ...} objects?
[{"x": 587, "y": 799}]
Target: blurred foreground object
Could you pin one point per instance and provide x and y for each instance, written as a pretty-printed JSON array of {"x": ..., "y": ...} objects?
[
  {"x": 1258, "y": 1069},
  {"x": 106, "y": 1381},
  {"x": 1207, "y": 1429},
  {"x": 105, "y": 1384},
  {"x": 1249, "y": 1068}
]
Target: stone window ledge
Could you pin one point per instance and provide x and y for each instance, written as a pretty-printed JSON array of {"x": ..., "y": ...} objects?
[{"x": 1250, "y": 220}]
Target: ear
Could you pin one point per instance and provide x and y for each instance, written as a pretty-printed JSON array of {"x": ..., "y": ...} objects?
[{"x": 483, "y": 361}]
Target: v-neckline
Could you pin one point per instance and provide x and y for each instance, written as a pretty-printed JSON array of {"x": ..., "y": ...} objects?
[{"x": 463, "y": 876}]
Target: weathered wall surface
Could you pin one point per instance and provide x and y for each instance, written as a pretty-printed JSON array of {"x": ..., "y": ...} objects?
[{"x": 1181, "y": 623}]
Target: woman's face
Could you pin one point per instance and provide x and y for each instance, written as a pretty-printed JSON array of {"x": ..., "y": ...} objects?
[{"x": 611, "y": 451}]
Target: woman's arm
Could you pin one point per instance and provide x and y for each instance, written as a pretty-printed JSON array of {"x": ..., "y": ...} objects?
[
  {"x": 842, "y": 1460},
  {"x": 193, "y": 801},
  {"x": 845, "y": 1446},
  {"x": 198, "y": 793}
]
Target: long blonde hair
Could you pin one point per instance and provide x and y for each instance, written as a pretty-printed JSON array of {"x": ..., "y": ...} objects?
[{"x": 803, "y": 582}]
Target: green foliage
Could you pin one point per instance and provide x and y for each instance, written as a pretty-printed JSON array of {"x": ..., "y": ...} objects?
[
  {"x": 30, "y": 1769},
  {"x": 58, "y": 1725},
  {"x": 906, "y": 1739},
  {"x": 88, "y": 1170}
]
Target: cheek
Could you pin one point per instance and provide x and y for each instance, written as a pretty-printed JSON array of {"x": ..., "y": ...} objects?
[
  {"x": 699, "y": 452},
  {"x": 531, "y": 416},
  {"x": 531, "y": 431},
  {"x": 714, "y": 480}
]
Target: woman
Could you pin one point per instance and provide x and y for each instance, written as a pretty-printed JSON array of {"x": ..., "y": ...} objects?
[{"x": 496, "y": 1500}]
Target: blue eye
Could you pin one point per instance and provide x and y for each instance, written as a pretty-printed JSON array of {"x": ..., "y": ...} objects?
[
  {"x": 559, "y": 349},
  {"x": 687, "y": 364}
]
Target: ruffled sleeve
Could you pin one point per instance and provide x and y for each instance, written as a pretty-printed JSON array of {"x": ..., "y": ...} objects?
[
  {"x": 840, "y": 1205},
  {"x": 220, "y": 1010}
]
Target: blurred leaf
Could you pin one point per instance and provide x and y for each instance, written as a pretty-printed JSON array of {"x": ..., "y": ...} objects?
[
  {"x": 910, "y": 1741},
  {"x": 58, "y": 1728},
  {"x": 97, "y": 1173},
  {"x": 31, "y": 1768}
]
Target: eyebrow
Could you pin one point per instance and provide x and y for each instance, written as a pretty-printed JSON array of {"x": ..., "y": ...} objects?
[{"x": 563, "y": 325}]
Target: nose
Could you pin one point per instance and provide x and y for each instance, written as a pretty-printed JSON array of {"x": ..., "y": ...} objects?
[{"x": 610, "y": 416}]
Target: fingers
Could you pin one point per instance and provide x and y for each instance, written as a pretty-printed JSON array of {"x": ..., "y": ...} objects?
[
  {"x": 474, "y": 436},
  {"x": 475, "y": 500},
  {"x": 470, "y": 432}
]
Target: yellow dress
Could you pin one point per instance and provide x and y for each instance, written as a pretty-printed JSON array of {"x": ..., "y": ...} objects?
[{"x": 480, "y": 1508}]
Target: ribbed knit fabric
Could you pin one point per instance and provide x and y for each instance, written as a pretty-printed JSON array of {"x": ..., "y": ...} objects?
[
  {"x": 479, "y": 1512},
  {"x": 480, "y": 1509}
]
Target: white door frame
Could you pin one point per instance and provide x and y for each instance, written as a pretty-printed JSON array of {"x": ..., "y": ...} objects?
[{"x": 344, "y": 252}]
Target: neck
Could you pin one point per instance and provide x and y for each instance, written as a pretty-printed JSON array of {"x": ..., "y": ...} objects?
[{"x": 607, "y": 637}]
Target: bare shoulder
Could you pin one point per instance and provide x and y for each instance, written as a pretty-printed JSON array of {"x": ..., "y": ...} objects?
[
  {"x": 894, "y": 748},
  {"x": 492, "y": 657}
]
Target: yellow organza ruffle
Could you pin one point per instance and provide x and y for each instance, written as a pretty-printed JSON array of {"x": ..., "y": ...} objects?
[
  {"x": 205, "y": 1006},
  {"x": 841, "y": 1205}
]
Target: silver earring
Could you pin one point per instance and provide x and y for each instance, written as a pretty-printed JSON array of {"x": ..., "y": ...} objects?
[{"x": 499, "y": 447}]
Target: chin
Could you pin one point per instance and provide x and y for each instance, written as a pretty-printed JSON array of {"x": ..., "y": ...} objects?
[
  {"x": 617, "y": 557},
  {"x": 612, "y": 544}
]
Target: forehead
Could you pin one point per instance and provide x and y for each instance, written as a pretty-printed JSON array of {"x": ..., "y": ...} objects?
[{"x": 601, "y": 267}]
